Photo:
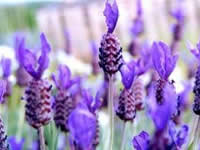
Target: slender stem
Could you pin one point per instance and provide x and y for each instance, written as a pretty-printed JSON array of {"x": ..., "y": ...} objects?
[
  {"x": 123, "y": 136},
  {"x": 110, "y": 101},
  {"x": 41, "y": 138},
  {"x": 196, "y": 133}
]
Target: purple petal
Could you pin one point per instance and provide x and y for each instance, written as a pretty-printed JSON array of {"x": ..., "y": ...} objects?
[
  {"x": 29, "y": 62},
  {"x": 157, "y": 59},
  {"x": 6, "y": 66},
  {"x": 182, "y": 135},
  {"x": 161, "y": 114},
  {"x": 16, "y": 144},
  {"x": 128, "y": 73},
  {"x": 19, "y": 48},
  {"x": 141, "y": 141},
  {"x": 94, "y": 49},
  {"x": 82, "y": 126},
  {"x": 44, "y": 59},
  {"x": 87, "y": 97},
  {"x": 64, "y": 76},
  {"x": 111, "y": 13},
  {"x": 2, "y": 89}
]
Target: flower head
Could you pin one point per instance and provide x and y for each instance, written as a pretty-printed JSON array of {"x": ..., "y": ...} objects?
[
  {"x": 33, "y": 66},
  {"x": 6, "y": 67},
  {"x": 141, "y": 141},
  {"x": 164, "y": 62},
  {"x": 16, "y": 144},
  {"x": 111, "y": 13},
  {"x": 64, "y": 81},
  {"x": 161, "y": 114}
]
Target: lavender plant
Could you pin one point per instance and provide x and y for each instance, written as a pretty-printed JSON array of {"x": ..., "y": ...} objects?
[
  {"x": 3, "y": 137},
  {"x": 110, "y": 58},
  {"x": 38, "y": 91},
  {"x": 63, "y": 104},
  {"x": 15, "y": 143},
  {"x": 164, "y": 63}
]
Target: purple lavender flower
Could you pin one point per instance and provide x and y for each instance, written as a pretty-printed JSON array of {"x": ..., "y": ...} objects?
[
  {"x": 110, "y": 58},
  {"x": 3, "y": 136},
  {"x": 161, "y": 114},
  {"x": 111, "y": 13},
  {"x": 6, "y": 67},
  {"x": 178, "y": 138},
  {"x": 179, "y": 15},
  {"x": 38, "y": 91},
  {"x": 21, "y": 74},
  {"x": 82, "y": 126},
  {"x": 64, "y": 103},
  {"x": 95, "y": 65},
  {"x": 16, "y": 144},
  {"x": 196, "y": 88},
  {"x": 137, "y": 30},
  {"x": 164, "y": 63},
  {"x": 67, "y": 41},
  {"x": 141, "y": 141},
  {"x": 127, "y": 71}
]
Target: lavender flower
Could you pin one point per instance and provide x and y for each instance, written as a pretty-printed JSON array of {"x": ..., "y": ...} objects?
[
  {"x": 95, "y": 65},
  {"x": 6, "y": 67},
  {"x": 64, "y": 104},
  {"x": 37, "y": 93},
  {"x": 137, "y": 30},
  {"x": 82, "y": 126},
  {"x": 22, "y": 76},
  {"x": 3, "y": 136},
  {"x": 110, "y": 51},
  {"x": 164, "y": 63},
  {"x": 141, "y": 141},
  {"x": 16, "y": 144},
  {"x": 196, "y": 88},
  {"x": 179, "y": 15}
]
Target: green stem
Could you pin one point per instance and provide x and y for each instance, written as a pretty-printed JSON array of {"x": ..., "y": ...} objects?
[
  {"x": 110, "y": 101},
  {"x": 196, "y": 133},
  {"x": 123, "y": 136},
  {"x": 41, "y": 138}
]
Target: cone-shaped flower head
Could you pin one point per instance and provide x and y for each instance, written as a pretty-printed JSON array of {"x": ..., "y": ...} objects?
[
  {"x": 110, "y": 58},
  {"x": 38, "y": 91},
  {"x": 3, "y": 136},
  {"x": 196, "y": 88},
  {"x": 16, "y": 144},
  {"x": 63, "y": 104},
  {"x": 164, "y": 63},
  {"x": 82, "y": 126}
]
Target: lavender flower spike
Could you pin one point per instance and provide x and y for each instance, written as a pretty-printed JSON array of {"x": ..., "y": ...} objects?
[
  {"x": 3, "y": 136},
  {"x": 164, "y": 63},
  {"x": 111, "y": 13},
  {"x": 6, "y": 66},
  {"x": 196, "y": 88},
  {"x": 64, "y": 104}
]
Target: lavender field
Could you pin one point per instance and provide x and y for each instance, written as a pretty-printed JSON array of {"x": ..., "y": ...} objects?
[{"x": 99, "y": 75}]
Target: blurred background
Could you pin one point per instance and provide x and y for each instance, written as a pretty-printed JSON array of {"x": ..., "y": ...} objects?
[{"x": 71, "y": 26}]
